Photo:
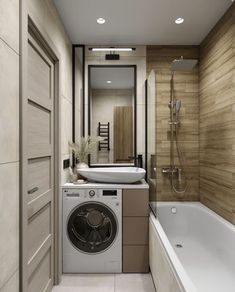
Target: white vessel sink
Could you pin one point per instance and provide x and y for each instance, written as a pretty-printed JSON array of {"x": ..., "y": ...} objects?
[{"x": 113, "y": 174}]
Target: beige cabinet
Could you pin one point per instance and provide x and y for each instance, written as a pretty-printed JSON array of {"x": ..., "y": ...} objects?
[{"x": 135, "y": 231}]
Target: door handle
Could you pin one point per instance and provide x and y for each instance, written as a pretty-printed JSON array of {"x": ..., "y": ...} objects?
[{"x": 33, "y": 190}]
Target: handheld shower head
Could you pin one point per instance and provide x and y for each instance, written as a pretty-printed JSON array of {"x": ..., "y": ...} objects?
[{"x": 177, "y": 105}]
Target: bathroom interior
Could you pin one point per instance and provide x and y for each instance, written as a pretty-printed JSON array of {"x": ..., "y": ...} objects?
[{"x": 117, "y": 159}]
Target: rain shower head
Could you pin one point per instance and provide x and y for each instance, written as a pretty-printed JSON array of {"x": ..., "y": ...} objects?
[{"x": 183, "y": 64}]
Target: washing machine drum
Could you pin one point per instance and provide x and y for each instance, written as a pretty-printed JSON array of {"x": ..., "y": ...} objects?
[{"x": 92, "y": 227}]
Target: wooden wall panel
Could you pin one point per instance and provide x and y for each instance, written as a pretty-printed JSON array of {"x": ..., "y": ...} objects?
[
  {"x": 122, "y": 133},
  {"x": 186, "y": 86},
  {"x": 217, "y": 118}
]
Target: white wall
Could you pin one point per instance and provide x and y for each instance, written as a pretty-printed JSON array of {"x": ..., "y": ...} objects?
[
  {"x": 9, "y": 149},
  {"x": 137, "y": 57}
]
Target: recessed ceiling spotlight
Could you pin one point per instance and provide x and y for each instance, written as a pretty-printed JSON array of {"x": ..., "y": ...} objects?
[
  {"x": 109, "y": 81},
  {"x": 179, "y": 20},
  {"x": 101, "y": 20}
]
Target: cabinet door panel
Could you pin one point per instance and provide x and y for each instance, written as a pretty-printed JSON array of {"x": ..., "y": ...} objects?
[
  {"x": 135, "y": 259},
  {"x": 135, "y": 230},
  {"x": 136, "y": 202}
]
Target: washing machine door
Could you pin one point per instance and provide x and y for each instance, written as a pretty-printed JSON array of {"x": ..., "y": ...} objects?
[{"x": 92, "y": 227}]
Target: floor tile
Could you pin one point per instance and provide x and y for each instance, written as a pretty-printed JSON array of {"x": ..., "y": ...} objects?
[
  {"x": 86, "y": 283},
  {"x": 134, "y": 283},
  {"x": 106, "y": 283}
]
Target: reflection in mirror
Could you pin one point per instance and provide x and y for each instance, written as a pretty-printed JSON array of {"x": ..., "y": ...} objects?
[
  {"x": 112, "y": 113},
  {"x": 78, "y": 56}
]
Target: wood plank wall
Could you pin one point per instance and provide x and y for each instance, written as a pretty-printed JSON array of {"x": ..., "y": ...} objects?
[
  {"x": 122, "y": 134},
  {"x": 217, "y": 118},
  {"x": 186, "y": 87}
]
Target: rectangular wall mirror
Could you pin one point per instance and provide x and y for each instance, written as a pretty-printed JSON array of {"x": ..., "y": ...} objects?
[
  {"x": 112, "y": 113},
  {"x": 78, "y": 92}
]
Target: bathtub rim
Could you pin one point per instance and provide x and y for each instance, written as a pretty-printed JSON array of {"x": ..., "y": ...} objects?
[
  {"x": 199, "y": 205},
  {"x": 178, "y": 269}
]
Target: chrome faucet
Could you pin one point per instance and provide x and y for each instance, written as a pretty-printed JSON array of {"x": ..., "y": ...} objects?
[{"x": 173, "y": 171}]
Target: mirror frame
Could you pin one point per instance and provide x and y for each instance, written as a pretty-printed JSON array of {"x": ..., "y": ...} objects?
[
  {"x": 135, "y": 110},
  {"x": 146, "y": 128},
  {"x": 74, "y": 47}
]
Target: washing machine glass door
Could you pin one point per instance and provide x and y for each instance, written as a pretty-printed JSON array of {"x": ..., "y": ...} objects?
[{"x": 92, "y": 227}]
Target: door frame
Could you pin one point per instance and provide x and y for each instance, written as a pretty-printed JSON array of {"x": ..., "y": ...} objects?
[{"x": 27, "y": 25}]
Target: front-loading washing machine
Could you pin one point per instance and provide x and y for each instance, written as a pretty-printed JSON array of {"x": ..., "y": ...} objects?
[{"x": 92, "y": 230}]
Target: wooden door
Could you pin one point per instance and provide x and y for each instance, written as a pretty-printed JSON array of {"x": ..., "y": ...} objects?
[
  {"x": 123, "y": 133},
  {"x": 38, "y": 226}
]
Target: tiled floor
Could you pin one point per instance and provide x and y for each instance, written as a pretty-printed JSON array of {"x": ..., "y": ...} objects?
[{"x": 106, "y": 283}]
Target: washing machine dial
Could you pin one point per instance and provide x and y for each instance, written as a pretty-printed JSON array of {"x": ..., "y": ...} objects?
[{"x": 91, "y": 193}]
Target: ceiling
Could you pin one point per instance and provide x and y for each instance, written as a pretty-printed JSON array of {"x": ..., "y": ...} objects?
[
  {"x": 140, "y": 22},
  {"x": 121, "y": 78}
]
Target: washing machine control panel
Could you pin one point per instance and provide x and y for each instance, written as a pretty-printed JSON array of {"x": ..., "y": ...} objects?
[
  {"x": 91, "y": 193},
  {"x": 104, "y": 194},
  {"x": 72, "y": 193},
  {"x": 109, "y": 193}
]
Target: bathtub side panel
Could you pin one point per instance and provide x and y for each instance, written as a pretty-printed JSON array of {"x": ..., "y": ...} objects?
[{"x": 162, "y": 272}]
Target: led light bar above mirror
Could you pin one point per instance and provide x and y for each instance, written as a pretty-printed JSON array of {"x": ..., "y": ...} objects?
[{"x": 112, "y": 49}]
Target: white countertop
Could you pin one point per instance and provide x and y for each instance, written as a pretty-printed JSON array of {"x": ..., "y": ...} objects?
[{"x": 138, "y": 185}]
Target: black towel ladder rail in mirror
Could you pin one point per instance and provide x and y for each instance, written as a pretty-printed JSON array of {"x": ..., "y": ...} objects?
[{"x": 103, "y": 132}]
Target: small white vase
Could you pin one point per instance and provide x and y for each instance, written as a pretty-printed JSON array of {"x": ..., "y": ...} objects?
[{"x": 82, "y": 165}]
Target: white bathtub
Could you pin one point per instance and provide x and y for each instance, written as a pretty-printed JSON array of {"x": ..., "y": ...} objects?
[{"x": 206, "y": 260}]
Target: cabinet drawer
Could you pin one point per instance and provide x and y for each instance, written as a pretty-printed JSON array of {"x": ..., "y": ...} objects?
[
  {"x": 135, "y": 259},
  {"x": 135, "y": 230},
  {"x": 135, "y": 202}
]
